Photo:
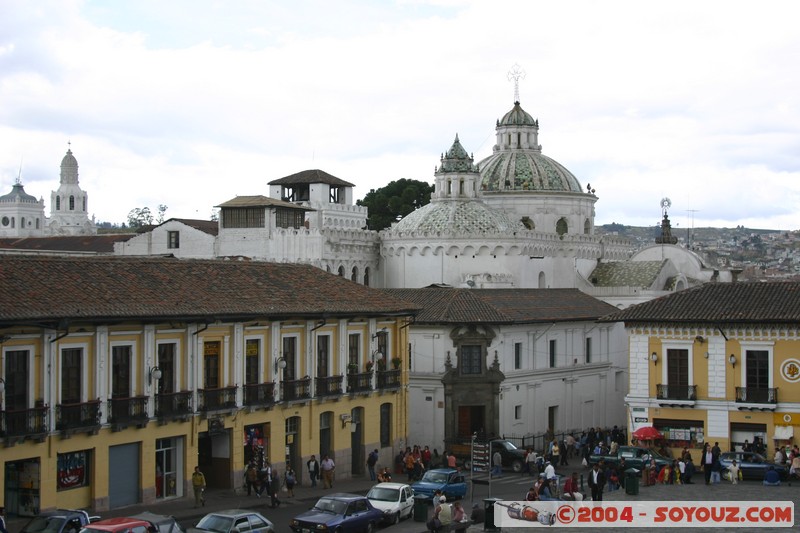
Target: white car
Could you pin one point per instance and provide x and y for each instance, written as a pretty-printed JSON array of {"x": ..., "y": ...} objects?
[{"x": 396, "y": 500}]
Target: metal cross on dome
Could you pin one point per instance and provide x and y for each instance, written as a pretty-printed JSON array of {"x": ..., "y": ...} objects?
[{"x": 516, "y": 73}]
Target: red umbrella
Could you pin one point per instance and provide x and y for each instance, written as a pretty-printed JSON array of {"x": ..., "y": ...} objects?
[{"x": 647, "y": 433}]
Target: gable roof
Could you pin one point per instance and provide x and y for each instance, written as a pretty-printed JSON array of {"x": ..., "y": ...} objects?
[
  {"x": 311, "y": 176},
  {"x": 449, "y": 305},
  {"x": 47, "y": 289},
  {"x": 720, "y": 303},
  {"x": 96, "y": 244},
  {"x": 261, "y": 201},
  {"x": 206, "y": 226}
]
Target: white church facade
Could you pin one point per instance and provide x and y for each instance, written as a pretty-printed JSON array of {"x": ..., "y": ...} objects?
[{"x": 22, "y": 215}]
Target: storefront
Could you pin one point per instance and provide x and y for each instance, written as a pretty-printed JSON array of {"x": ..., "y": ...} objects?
[
  {"x": 681, "y": 434},
  {"x": 169, "y": 467},
  {"x": 22, "y": 487}
]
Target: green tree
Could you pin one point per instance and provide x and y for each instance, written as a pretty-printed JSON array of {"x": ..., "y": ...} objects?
[
  {"x": 162, "y": 209},
  {"x": 140, "y": 216},
  {"x": 394, "y": 201}
]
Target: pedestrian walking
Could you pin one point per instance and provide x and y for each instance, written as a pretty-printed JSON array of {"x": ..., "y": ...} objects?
[
  {"x": 328, "y": 469},
  {"x": 199, "y": 486},
  {"x": 597, "y": 480},
  {"x": 275, "y": 488},
  {"x": 313, "y": 470},
  {"x": 290, "y": 479},
  {"x": 3, "y": 528},
  {"x": 372, "y": 460},
  {"x": 251, "y": 478},
  {"x": 497, "y": 464},
  {"x": 733, "y": 470}
]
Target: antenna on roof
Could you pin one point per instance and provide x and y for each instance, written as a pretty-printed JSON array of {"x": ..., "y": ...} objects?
[{"x": 516, "y": 73}]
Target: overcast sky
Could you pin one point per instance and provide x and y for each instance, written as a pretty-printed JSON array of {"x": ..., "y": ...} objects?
[{"x": 189, "y": 103}]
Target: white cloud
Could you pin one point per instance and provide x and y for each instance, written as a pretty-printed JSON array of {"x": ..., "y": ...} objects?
[{"x": 696, "y": 101}]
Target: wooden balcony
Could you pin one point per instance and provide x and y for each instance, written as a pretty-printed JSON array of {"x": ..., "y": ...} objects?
[
  {"x": 216, "y": 399},
  {"x": 359, "y": 382},
  {"x": 173, "y": 406},
  {"x": 259, "y": 394},
  {"x": 676, "y": 392},
  {"x": 387, "y": 379},
  {"x": 329, "y": 386},
  {"x": 296, "y": 390},
  {"x": 756, "y": 395},
  {"x": 125, "y": 411},
  {"x": 81, "y": 417},
  {"x": 20, "y": 424}
]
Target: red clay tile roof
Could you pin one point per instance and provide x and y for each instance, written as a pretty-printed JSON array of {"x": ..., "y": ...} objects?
[
  {"x": 45, "y": 289},
  {"x": 261, "y": 201},
  {"x": 311, "y": 176},
  {"x": 720, "y": 303},
  {"x": 447, "y": 305},
  {"x": 99, "y": 244},
  {"x": 206, "y": 226}
]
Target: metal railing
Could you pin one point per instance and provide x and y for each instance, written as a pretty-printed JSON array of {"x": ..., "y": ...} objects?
[
  {"x": 756, "y": 395},
  {"x": 121, "y": 410},
  {"x": 297, "y": 389},
  {"x": 359, "y": 382},
  {"x": 21, "y": 422},
  {"x": 173, "y": 404},
  {"x": 211, "y": 399},
  {"x": 259, "y": 394},
  {"x": 388, "y": 379},
  {"x": 77, "y": 415},
  {"x": 676, "y": 392},
  {"x": 329, "y": 385}
]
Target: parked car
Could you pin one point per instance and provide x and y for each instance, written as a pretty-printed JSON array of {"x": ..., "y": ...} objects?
[
  {"x": 161, "y": 523},
  {"x": 341, "y": 512},
  {"x": 234, "y": 521},
  {"x": 512, "y": 457},
  {"x": 751, "y": 465},
  {"x": 59, "y": 521},
  {"x": 396, "y": 500},
  {"x": 119, "y": 525},
  {"x": 634, "y": 457},
  {"x": 451, "y": 482}
]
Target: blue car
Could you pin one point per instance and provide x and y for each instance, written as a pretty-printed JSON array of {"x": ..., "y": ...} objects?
[
  {"x": 339, "y": 512},
  {"x": 451, "y": 482}
]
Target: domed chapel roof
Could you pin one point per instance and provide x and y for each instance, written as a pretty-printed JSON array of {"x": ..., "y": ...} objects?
[
  {"x": 450, "y": 213},
  {"x": 518, "y": 164}
]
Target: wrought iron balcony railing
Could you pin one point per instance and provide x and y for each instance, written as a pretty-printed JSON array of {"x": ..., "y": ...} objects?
[
  {"x": 173, "y": 404},
  {"x": 388, "y": 379},
  {"x": 127, "y": 410},
  {"x": 77, "y": 415},
  {"x": 676, "y": 392},
  {"x": 212, "y": 399},
  {"x": 259, "y": 394},
  {"x": 359, "y": 382},
  {"x": 296, "y": 389},
  {"x": 756, "y": 395},
  {"x": 328, "y": 386},
  {"x": 22, "y": 422}
]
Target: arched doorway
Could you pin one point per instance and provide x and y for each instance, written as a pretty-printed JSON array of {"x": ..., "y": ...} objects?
[{"x": 357, "y": 458}]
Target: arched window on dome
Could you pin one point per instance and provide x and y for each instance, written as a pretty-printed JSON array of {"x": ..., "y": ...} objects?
[
  {"x": 84, "y": 203},
  {"x": 542, "y": 281},
  {"x": 354, "y": 275},
  {"x": 366, "y": 277},
  {"x": 461, "y": 187},
  {"x": 58, "y": 203},
  {"x": 561, "y": 227},
  {"x": 587, "y": 227},
  {"x": 519, "y": 140},
  {"x": 341, "y": 271},
  {"x": 72, "y": 203}
]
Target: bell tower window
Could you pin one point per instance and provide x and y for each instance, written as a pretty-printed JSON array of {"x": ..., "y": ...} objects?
[{"x": 72, "y": 203}]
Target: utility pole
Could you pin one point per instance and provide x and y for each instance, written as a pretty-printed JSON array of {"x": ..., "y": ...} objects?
[{"x": 689, "y": 231}]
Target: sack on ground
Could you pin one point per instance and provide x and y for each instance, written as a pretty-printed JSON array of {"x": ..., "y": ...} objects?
[{"x": 585, "y": 463}]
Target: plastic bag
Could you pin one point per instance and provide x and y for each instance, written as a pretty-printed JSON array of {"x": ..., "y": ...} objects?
[{"x": 585, "y": 463}]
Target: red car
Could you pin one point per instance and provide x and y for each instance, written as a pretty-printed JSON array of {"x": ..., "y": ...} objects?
[{"x": 120, "y": 525}]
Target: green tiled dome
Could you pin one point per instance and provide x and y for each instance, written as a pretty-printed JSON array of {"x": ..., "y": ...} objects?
[
  {"x": 473, "y": 217},
  {"x": 526, "y": 170}
]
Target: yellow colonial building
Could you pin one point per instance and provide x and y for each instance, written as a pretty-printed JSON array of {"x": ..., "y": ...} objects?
[
  {"x": 718, "y": 363},
  {"x": 120, "y": 375}
]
